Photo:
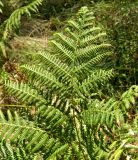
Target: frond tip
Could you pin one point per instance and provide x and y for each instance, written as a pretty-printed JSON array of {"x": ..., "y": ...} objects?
[{"x": 14, "y": 20}]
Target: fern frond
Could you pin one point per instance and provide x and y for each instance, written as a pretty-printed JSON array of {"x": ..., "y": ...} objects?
[
  {"x": 60, "y": 81},
  {"x": 20, "y": 130},
  {"x": 14, "y": 20}
]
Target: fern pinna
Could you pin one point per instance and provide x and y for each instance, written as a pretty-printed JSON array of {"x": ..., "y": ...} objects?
[{"x": 60, "y": 84}]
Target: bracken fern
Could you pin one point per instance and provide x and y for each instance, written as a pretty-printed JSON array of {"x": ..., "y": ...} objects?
[
  {"x": 13, "y": 22},
  {"x": 67, "y": 122}
]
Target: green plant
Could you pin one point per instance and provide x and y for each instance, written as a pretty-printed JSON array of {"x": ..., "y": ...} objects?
[
  {"x": 119, "y": 18},
  {"x": 59, "y": 118},
  {"x": 113, "y": 126},
  {"x": 13, "y": 21},
  {"x": 61, "y": 81},
  {"x": 108, "y": 131}
]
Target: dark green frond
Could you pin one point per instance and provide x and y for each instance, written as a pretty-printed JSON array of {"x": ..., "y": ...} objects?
[
  {"x": 19, "y": 130},
  {"x": 61, "y": 82}
]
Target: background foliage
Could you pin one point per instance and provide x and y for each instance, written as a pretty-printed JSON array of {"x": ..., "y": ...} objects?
[{"x": 119, "y": 18}]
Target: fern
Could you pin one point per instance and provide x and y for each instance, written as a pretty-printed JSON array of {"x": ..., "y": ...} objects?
[
  {"x": 108, "y": 122},
  {"x": 31, "y": 97},
  {"x": 18, "y": 131},
  {"x": 9, "y": 152},
  {"x": 68, "y": 123},
  {"x": 14, "y": 20}
]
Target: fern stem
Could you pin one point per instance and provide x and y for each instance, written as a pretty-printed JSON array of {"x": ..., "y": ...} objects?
[{"x": 78, "y": 135}]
